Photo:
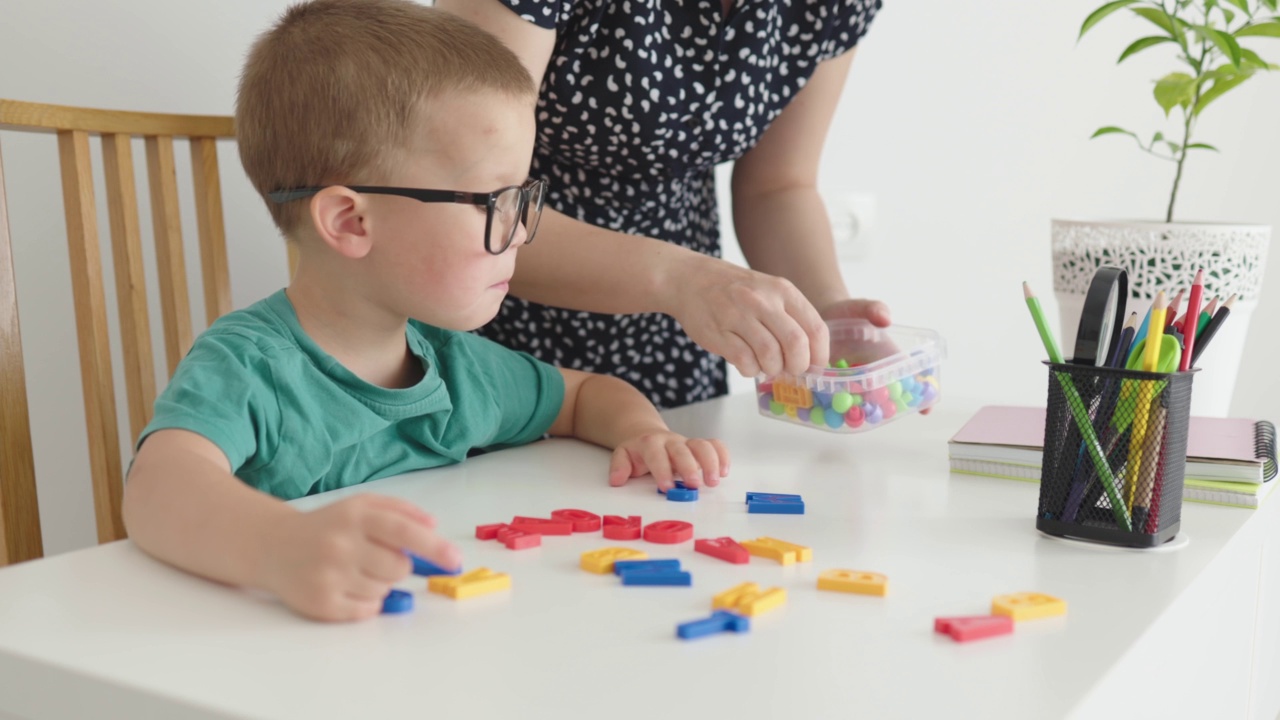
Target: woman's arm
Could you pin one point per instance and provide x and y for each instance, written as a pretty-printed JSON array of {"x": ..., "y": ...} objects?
[
  {"x": 780, "y": 218},
  {"x": 757, "y": 322}
]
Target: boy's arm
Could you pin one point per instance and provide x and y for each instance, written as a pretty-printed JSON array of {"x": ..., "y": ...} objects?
[
  {"x": 611, "y": 413},
  {"x": 183, "y": 506}
]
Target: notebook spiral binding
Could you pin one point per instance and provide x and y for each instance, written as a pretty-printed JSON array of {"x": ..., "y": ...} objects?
[{"x": 1264, "y": 445}]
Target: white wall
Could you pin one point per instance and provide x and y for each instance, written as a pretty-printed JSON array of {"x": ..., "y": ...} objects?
[{"x": 966, "y": 121}]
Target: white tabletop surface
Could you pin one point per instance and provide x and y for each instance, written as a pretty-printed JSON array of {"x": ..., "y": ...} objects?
[{"x": 109, "y": 631}]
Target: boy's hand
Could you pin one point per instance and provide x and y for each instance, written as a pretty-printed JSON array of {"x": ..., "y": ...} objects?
[
  {"x": 669, "y": 457},
  {"x": 339, "y": 562}
]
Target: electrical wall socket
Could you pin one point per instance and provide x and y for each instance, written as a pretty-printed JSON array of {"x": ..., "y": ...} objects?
[{"x": 853, "y": 218}]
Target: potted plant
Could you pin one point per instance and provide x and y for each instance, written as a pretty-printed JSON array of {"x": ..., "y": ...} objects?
[{"x": 1210, "y": 42}]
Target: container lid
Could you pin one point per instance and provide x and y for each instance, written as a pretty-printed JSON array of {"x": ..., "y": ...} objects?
[{"x": 878, "y": 356}]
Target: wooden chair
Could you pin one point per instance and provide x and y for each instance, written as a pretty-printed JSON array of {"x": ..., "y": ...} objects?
[{"x": 20, "y": 537}]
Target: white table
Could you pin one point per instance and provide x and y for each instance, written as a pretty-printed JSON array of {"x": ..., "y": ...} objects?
[{"x": 107, "y": 632}]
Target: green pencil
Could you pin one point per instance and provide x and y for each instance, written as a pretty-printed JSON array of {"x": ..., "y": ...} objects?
[{"x": 1078, "y": 411}]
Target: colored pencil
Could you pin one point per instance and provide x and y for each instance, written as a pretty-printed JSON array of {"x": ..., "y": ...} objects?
[
  {"x": 1193, "y": 310},
  {"x": 1212, "y": 328}
]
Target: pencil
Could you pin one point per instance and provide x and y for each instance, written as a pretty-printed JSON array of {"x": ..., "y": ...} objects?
[
  {"x": 1206, "y": 315},
  {"x": 1078, "y": 410},
  {"x": 1193, "y": 310},
  {"x": 1150, "y": 465},
  {"x": 1212, "y": 328},
  {"x": 1146, "y": 394},
  {"x": 1155, "y": 333},
  {"x": 1172, "y": 313}
]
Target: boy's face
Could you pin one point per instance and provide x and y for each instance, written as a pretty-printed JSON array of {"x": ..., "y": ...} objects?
[{"x": 430, "y": 259}]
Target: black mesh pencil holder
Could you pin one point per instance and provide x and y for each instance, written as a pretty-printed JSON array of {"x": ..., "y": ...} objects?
[{"x": 1115, "y": 451}]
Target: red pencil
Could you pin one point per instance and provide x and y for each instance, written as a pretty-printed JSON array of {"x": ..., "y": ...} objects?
[
  {"x": 1193, "y": 314},
  {"x": 1172, "y": 314}
]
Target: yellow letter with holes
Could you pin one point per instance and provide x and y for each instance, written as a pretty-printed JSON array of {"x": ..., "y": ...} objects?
[
  {"x": 601, "y": 561},
  {"x": 1028, "y": 606},
  {"x": 854, "y": 581}
]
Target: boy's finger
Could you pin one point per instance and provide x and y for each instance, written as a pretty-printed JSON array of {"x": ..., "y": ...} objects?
[
  {"x": 620, "y": 467},
  {"x": 723, "y": 452},
  {"x": 683, "y": 463},
  {"x": 361, "y": 608},
  {"x": 704, "y": 453},
  {"x": 659, "y": 464},
  {"x": 385, "y": 565},
  {"x": 396, "y": 532},
  {"x": 362, "y": 588}
]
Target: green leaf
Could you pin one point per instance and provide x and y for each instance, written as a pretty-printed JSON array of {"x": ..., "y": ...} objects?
[
  {"x": 1223, "y": 41},
  {"x": 1142, "y": 44},
  {"x": 1174, "y": 148},
  {"x": 1110, "y": 130},
  {"x": 1161, "y": 20},
  {"x": 1228, "y": 15},
  {"x": 1271, "y": 28},
  {"x": 1253, "y": 60},
  {"x": 1271, "y": 5},
  {"x": 1222, "y": 83},
  {"x": 1175, "y": 89},
  {"x": 1097, "y": 15},
  {"x": 1243, "y": 5},
  {"x": 1201, "y": 146}
]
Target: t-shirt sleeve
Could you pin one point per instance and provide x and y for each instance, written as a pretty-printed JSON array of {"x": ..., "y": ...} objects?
[
  {"x": 222, "y": 390},
  {"x": 549, "y": 14},
  {"x": 852, "y": 18},
  {"x": 523, "y": 393}
]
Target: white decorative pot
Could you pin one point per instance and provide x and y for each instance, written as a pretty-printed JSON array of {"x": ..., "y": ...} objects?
[{"x": 1165, "y": 256}]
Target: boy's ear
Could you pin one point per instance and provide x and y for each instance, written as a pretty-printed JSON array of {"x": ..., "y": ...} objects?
[{"x": 338, "y": 214}]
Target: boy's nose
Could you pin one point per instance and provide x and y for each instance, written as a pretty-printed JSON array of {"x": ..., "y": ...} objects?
[{"x": 521, "y": 236}]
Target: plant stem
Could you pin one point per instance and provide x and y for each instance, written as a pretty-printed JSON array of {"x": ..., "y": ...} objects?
[
  {"x": 1188, "y": 114},
  {"x": 1182, "y": 158}
]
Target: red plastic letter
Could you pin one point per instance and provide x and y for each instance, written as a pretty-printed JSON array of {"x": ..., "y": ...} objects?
[
  {"x": 668, "y": 532},
  {"x": 581, "y": 520},
  {"x": 541, "y": 526},
  {"x": 489, "y": 532},
  {"x": 617, "y": 527},
  {"x": 724, "y": 548}
]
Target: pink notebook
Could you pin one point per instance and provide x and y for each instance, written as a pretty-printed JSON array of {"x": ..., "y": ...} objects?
[{"x": 1227, "y": 441}]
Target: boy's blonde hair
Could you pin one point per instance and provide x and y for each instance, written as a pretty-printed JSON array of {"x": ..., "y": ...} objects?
[{"x": 330, "y": 93}]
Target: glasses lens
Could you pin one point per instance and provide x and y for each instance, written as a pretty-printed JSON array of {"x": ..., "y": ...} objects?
[
  {"x": 533, "y": 214},
  {"x": 506, "y": 214}
]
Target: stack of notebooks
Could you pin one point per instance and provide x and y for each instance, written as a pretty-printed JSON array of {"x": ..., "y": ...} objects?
[{"x": 1229, "y": 461}]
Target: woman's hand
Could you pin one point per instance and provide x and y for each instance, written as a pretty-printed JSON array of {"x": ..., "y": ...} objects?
[
  {"x": 760, "y": 323},
  {"x": 873, "y": 311}
]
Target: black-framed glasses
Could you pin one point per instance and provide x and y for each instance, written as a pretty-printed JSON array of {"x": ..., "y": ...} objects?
[{"x": 507, "y": 207}]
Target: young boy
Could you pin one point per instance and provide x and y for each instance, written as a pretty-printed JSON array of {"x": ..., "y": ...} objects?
[{"x": 362, "y": 367}]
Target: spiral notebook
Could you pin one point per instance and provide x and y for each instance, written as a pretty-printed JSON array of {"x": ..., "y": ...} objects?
[{"x": 1229, "y": 460}]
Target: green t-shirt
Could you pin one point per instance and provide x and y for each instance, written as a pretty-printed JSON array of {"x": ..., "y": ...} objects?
[{"x": 293, "y": 421}]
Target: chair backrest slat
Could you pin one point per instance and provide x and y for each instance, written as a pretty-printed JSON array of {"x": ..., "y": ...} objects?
[
  {"x": 166, "y": 221},
  {"x": 213, "y": 239},
  {"x": 91, "y": 329},
  {"x": 19, "y": 511},
  {"x": 20, "y": 536},
  {"x": 131, "y": 283}
]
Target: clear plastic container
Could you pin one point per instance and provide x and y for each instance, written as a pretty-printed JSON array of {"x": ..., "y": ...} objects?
[{"x": 892, "y": 372}]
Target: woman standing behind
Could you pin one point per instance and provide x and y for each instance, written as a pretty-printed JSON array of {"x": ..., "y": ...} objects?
[{"x": 639, "y": 101}]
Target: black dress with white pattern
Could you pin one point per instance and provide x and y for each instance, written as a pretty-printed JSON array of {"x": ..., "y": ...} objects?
[{"x": 641, "y": 99}]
